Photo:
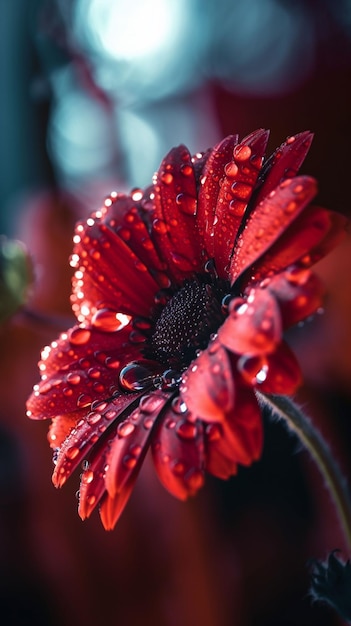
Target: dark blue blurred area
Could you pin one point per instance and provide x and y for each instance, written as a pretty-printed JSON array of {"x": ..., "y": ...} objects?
[{"x": 93, "y": 94}]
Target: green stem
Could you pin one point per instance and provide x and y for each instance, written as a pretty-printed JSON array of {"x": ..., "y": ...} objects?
[{"x": 283, "y": 407}]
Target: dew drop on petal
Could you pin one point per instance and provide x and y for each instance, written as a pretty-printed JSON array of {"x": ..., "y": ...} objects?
[
  {"x": 125, "y": 429},
  {"x": 84, "y": 400},
  {"x": 73, "y": 378},
  {"x": 129, "y": 461},
  {"x": 195, "y": 479},
  {"x": 94, "y": 417},
  {"x": 186, "y": 430},
  {"x": 167, "y": 178},
  {"x": 79, "y": 336},
  {"x": 110, "y": 321},
  {"x": 159, "y": 226},
  {"x": 186, "y": 203},
  {"x": 71, "y": 453},
  {"x": 88, "y": 477},
  {"x": 242, "y": 153},
  {"x": 136, "y": 376}
]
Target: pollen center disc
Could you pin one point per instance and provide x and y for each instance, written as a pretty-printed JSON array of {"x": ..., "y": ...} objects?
[{"x": 187, "y": 322}]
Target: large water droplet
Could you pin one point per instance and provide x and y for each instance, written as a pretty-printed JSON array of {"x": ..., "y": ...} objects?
[
  {"x": 110, "y": 321},
  {"x": 138, "y": 375},
  {"x": 186, "y": 430}
]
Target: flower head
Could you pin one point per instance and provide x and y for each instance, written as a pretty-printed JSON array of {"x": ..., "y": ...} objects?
[{"x": 182, "y": 294}]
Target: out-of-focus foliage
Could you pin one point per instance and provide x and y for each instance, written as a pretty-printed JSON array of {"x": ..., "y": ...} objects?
[{"x": 15, "y": 276}]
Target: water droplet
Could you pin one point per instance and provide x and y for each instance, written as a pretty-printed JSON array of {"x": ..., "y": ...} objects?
[
  {"x": 195, "y": 479},
  {"x": 72, "y": 453},
  {"x": 181, "y": 262},
  {"x": 138, "y": 375},
  {"x": 253, "y": 369},
  {"x": 186, "y": 430},
  {"x": 297, "y": 275},
  {"x": 136, "y": 337},
  {"x": 91, "y": 500},
  {"x": 231, "y": 169},
  {"x": 290, "y": 207},
  {"x": 84, "y": 400},
  {"x": 79, "y": 336},
  {"x": 179, "y": 406},
  {"x": 159, "y": 226},
  {"x": 67, "y": 392},
  {"x": 237, "y": 207},
  {"x": 242, "y": 153},
  {"x": 73, "y": 378},
  {"x": 112, "y": 363},
  {"x": 88, "y": 477},
  {"x": 129, "y": 461},
  {"x": 167, "y": 178},
  {"x": 186, "y": 169},
  {"x": 94, "y": 372},
  {"x": 178, "y": 468},
  {"x": 186, "y": 203},
  {"x": 241, "y": 190},
  {"x": 94, "y": 417},
  {"x": 125, "y": 429},
  {"x": 110, "y": 321},
  {"x": 124, "y": 233},
  {"x": 213, "y": 432},
  {"x": 148, "y": 423},
  {"x": 136, "y": 194}
]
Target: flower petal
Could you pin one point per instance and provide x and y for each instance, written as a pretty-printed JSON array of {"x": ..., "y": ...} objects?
[
  {"x": 207, "y": 386},
  {"x": 108, "y": 274},
  {"x": 92, "y": 482},
  {"x": 298, "y": 292},
  {"x": 236, "y": 440},
  {"x": 100, "y": 423},
  {"x": 241, "y": 174},
  {"x": 78, "y": 368},
  {"x": 284, "y": 163},
  {"x": 303, "y": 236},
  {"x": 173, "y": 227},
  {"x": 253, "y": 326},
  {"x": 210, "y": 182},
  {"x": 112, "y": 508},
  {"x": 129, "y": 217},
  {"x": 178, "y": 452},
  {"x": 133, "y": 437},
  {"x": 269, "y": 220},
  {"x": 278, "y": 372}
]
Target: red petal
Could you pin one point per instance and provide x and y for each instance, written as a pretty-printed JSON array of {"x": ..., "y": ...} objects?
[
  {"x": 128, "y": 218},
  {"x": 253, "y": 326},
  {"x": 212, "y": 176},
  {"x": 92, "y": 483},
  {"x": 298, "y": 292},
  {"x": 178, "y": 452},
  {"x": 128, "y": 449},
  {"x": 240, "y": 178},
  {"x": 207, "y": 386},
  {"x": 269, "y": 220},
  {"x": 238, "y": 439},
  {"x": 112, "y": 508},
  {"x": 173, "y": 227},
  {"x": 278, "y": 372},
  {"x": 98, "y": 424},
  {"x": 78, "y": 368},
  {"x": 284, "y": 163},
  {"x": 60, "y": 428},
  {"x": 306, "y": 233},
  {"x": 108, "y": 273}
]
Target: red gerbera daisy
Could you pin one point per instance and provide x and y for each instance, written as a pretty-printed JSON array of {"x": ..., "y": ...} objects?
[{"x": 182, "y": 294}]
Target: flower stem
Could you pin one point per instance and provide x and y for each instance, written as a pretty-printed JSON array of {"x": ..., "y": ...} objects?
[{"x": 284, "y": 408}]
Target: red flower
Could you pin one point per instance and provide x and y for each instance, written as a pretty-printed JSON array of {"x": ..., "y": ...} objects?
[{"x": 182, "y": 293}]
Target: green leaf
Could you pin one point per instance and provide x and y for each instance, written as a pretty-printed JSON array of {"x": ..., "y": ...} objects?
[{"x": 16, "y": 276}]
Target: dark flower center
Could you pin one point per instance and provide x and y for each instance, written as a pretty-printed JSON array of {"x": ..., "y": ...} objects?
[{"x": 187, "y": 322}]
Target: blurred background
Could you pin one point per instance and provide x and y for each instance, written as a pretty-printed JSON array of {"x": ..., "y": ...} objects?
[{"x": 93, "y": 94}]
